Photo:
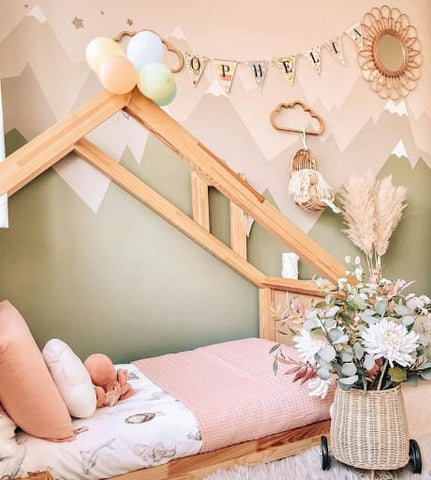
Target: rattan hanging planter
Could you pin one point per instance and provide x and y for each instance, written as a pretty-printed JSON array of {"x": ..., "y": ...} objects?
[{"x": 369, "y": 430}]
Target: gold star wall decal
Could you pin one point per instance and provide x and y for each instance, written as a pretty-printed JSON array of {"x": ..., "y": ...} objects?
[
  {"x": 129, "y": 22},
  {"x": 78, "y": 22}
]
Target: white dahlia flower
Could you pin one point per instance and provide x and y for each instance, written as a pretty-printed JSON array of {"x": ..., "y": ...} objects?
[
  {"x": 308, "y": 346},
  {"x": 391, "y": 341},
  {"x": 318, "y": 387}
]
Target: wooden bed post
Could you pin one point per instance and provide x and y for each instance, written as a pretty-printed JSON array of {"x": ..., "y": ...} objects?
[
  {"x": 266, "y": 323},
  {"x": 200, "y": 202}
]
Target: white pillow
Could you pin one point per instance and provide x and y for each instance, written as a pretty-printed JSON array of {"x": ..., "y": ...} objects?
[
  {"x": 8, "y": 443},
  {"x": 71, "y": 377}
]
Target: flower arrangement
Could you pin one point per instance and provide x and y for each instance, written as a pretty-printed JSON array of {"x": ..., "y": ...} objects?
[{"x": 366, "y": 333}]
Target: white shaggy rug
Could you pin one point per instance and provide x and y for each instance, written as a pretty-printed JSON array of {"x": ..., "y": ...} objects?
[{"x": 307, "y": 466}]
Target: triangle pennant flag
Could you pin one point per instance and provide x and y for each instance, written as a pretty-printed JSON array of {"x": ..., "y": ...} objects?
[
  {"x": 258, "y": 70},
  {"x": 314, "y": 57},
  {"x": 287, "y": 67},
  {"x": 195, "y": 65},
  {"x": 356, "y": 34},
  {"x": 335, "y": 47},
  {"x": 225, "y": 70}
]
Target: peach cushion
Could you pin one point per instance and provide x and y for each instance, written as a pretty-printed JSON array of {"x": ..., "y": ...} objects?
[{"x": 27, "y": 390}]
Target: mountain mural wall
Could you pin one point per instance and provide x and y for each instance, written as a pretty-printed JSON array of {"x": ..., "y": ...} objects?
[{"x": 44, "y": 76}]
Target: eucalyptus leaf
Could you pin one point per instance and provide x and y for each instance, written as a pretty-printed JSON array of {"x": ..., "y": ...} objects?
[
  {"x": 370, "y": 319},
  {"x": 359, "y": 301},
  {"x": 335, "y": 334},
  {"x": 408, "y": 320},
  {"x": 310, "y": 314},
  {"x": 348, "y": 380},
  {"x": 310, "y": 324},
  {"x": 274, "y": 348},
  {"x": 327, "y": 353},
  {"x": 323, "y": 364},
  {"x": 381, "y": 307},
  {"x": 345, "y": 355},
  {"x": 331, "y": 312},
  {"x": 348, "y": 369},
  {"x": 401, "y": 309},
  {"x": 344, "y": 386},
  {"x": 330, "y": 323},
  {"x": 358, "y": 350},
  {"x": 412, "y": 380},
  {"x": 320, "y": 305},
  {"x": 426, "y": 374}
]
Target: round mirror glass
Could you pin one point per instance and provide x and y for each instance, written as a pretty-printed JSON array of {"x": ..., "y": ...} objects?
[{"x": 390, "y": 52}]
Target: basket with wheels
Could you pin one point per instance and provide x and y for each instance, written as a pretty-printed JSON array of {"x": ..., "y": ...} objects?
[{"x": 369, "y": 431}]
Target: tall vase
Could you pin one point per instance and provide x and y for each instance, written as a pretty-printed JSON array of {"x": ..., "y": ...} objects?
[{"x": 369, "y": 430}]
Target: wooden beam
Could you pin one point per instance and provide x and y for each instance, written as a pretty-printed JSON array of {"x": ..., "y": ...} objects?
[
  {"x": 266, "y": 323},
  {"x": 200, "y": 201},
  {"x": 238, "y": 237},
  {"x": 253, "y": 452},
  {"x": 305, "y": 287},
  {"x": 216, "y": 173},
  {"x": 140, "y": 190},
  {"x": 46, "y": 149}
]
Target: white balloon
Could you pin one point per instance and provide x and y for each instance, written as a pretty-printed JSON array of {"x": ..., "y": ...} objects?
[{"x": 145, "y": 47}]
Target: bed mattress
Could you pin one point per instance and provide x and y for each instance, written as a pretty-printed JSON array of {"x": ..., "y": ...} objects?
[{"x": 149, "y": 428}]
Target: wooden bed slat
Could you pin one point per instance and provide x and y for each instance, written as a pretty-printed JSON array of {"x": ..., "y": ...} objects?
[
  {"x": 215, "y": 173},
  {"x": 200, "y": 201}
]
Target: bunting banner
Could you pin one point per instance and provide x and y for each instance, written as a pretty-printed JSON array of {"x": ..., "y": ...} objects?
[
  {"x": 287, "y": 63},
  {"x": 355, "y": 33},
  {"x": 258, "y": 70},
  {"x": 314, "y": 57},
  {"x": 287, "y": 67},
  {"x": 4, "y": 219},
  {"x": 225, "y": 70},
  {"x": 195, "y": 65},
  {"x": 335, "y": 47}
]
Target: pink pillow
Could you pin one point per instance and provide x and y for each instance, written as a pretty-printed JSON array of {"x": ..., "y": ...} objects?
[{"x": 27, "y": 390}]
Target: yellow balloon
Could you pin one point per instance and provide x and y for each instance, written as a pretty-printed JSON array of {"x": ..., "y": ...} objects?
[
  {"x": 100, "y": 48},
  {"x": 118, "y": 74}
]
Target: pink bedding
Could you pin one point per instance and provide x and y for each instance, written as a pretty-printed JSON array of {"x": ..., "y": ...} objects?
[{"x": 232, "y": 391}]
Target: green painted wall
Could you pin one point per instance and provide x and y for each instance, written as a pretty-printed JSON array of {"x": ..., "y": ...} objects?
[{"x": 123, "y": 282}]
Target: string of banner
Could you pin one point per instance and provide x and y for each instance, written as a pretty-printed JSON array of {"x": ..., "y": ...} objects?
[{"x": 226, "y": 69}]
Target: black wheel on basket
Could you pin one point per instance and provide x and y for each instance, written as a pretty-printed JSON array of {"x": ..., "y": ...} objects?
[
  {"x": 326, "y": 460},
  {"x": 415, "y": 458}
]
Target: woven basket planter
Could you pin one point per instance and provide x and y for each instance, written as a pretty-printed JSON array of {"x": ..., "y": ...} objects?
[{"x": 369, "y": 430}]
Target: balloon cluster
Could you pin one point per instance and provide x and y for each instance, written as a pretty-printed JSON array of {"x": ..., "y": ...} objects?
[{"x": 140, "y": 66}]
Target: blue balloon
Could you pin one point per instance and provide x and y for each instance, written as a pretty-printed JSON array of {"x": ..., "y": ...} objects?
[{"x": 143, "y": 48}]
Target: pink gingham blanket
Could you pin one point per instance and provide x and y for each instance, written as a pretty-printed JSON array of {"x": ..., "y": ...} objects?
[{"x": 232, "y": 391}]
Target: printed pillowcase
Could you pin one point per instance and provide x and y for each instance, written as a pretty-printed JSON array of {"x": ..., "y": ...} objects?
[{"x": 71, "y": 377}]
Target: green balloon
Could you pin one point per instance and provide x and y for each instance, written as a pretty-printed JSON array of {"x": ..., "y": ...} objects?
[
  {"x": 168, "y": 99},
  {"x": 156, "y": 81}
]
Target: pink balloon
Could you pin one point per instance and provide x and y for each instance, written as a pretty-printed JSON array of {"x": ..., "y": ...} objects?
[{"x": 118, "y": 74}]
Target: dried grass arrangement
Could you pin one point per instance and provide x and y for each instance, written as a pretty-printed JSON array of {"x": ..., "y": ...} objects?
[{"x": 371, "y": 209}]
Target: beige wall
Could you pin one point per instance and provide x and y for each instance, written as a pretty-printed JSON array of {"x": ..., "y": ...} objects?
[{"x": 82, "y": 256}]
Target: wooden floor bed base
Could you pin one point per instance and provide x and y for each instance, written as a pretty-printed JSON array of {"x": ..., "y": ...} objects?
[{"x": 253, "y": 452}]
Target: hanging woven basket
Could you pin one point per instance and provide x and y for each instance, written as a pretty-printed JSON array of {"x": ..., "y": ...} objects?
[
  {"x": 369, "y": 430},
  {"x": 307, "y": 186}
]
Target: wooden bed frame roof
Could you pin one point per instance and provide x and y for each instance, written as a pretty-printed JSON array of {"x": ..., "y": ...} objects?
[{"x": 67, "y": 136}]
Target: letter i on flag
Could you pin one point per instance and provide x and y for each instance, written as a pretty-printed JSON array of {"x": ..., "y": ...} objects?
[{"x": 4, "y": 219}]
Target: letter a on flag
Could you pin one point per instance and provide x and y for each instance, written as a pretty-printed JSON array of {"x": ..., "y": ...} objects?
[
  {"x": 225, "y": 70},
  {"x": 195, "y": 65}
]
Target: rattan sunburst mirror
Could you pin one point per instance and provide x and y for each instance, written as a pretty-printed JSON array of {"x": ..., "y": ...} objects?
[{"x": 391, "y": 57}]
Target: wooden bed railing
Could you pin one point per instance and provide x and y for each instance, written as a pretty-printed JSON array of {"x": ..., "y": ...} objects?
[{"x": 207, "y": 171}]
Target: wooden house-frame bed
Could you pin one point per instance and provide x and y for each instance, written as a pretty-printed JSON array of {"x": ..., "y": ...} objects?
[{"x": 68, "y": 135}]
